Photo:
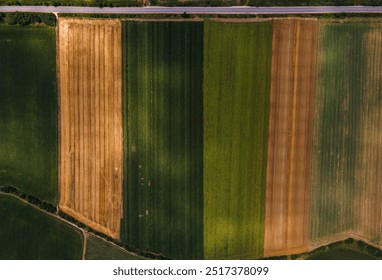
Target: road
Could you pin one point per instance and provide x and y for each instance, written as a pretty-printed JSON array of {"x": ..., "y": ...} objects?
[{"x": 195, "y": 10}]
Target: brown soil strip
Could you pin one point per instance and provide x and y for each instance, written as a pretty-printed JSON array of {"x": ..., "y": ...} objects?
[
  {"x": 290, "y": 136},
  {"x": 90, "y": 122}
]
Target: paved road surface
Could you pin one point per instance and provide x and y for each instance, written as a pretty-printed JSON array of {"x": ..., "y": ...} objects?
[{"x": 195, "y": 10}]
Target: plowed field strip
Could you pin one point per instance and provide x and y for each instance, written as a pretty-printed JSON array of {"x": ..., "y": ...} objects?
[{"x": 293, "y": 70}]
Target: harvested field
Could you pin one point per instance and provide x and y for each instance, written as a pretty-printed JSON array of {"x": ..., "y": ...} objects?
[
  {"x": 30, "y": 234},
  {"x": 290, "y": 136},
  {"x": 90, "y": 122},
  {"x": 237, "y": 68},
  {"x": 163, "y": 128},
  {"x": 28, "y": 110}
]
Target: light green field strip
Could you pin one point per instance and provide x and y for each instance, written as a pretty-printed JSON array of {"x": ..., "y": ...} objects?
[
  {"x": 163, "y": 126},
  {"x": 29, "y": 234},
  {"x": 343, "y": 75},
  {"x": 237, "y": 60},
  {"x": 28, "y": 110},
  {"x": 369, "y": 153}
]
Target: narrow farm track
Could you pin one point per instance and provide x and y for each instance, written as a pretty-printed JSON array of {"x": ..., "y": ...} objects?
[
  {"x": 290, "y": 136},
  {"x": 90, "y": 122}
]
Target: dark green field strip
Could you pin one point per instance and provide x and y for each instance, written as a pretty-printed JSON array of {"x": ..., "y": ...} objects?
[
  {"x": 163, "y": 101},
  {"x": 28, "y": 233},
  {"x": 341, "y": 72},
  {"x": 99, "y": 249},
  {"x": 28, "y": 110},
  {"x": 236, "y": 105},
  {"x": 341, "y": 254}
]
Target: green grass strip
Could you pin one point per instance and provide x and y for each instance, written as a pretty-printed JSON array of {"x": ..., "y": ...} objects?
[{"x": 28, "y": 110}]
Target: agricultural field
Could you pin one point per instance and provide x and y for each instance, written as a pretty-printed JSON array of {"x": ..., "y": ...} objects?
[
  {"x": 28, "y": 111},
  {"x": 368, "y": 212},
  {"x": 237, "y": 63},
  {"x": 163, "y": 137},
  {"x": 99, "y": 249},
  {"x": 90, "y": 60},
  {"x": 348, "y": 249},
  {"x": 190, "y": 139},
  {"x": 341, "y": 254},
  {"x": 290, "y": 136},
  {"x": 30, "y": 234},
  {"x": 345, "y": 186}
]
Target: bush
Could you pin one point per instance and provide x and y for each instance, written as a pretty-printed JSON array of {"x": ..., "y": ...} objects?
[{"x": 31, "y": 18}]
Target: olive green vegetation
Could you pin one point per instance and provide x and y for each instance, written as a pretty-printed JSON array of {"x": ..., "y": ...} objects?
[
  {"x": 342, "y": 77},
  {"x": 99, "y": 249},
  {"x": 30, "y": 234},
  {"x": 28, "y": 110},
  {"x": 348, "y": 249},
  {"x": 263, "y": 2},
  {"x": 340, "y": 65},
  {"x": 163, "y": 127},
  {"x": 341, "y": 254},
  {"x": 237, "y": 61},
  {"x": 28, "y": 18},
  {"x": 99, "y": 3}
]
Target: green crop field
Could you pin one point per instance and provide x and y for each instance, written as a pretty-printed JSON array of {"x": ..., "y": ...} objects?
[
  {"x": 348, "y": 249},
  {"x": 99, "y": 249},
  {"x": 163, "y": 126},
  {"x": 369, "y": 159},
  {"x": 338, "y": 101},
  {"x": 348, "y": 83},
  {"x": 237, "y": 60},
  {"x": 28, "y": 233},
  {"x": 28, "y": 110},
  {"x": 341, "y": 254}
]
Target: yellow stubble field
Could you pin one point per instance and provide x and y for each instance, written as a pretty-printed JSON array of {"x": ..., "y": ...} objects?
[{"x": 90, "y": 138}]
